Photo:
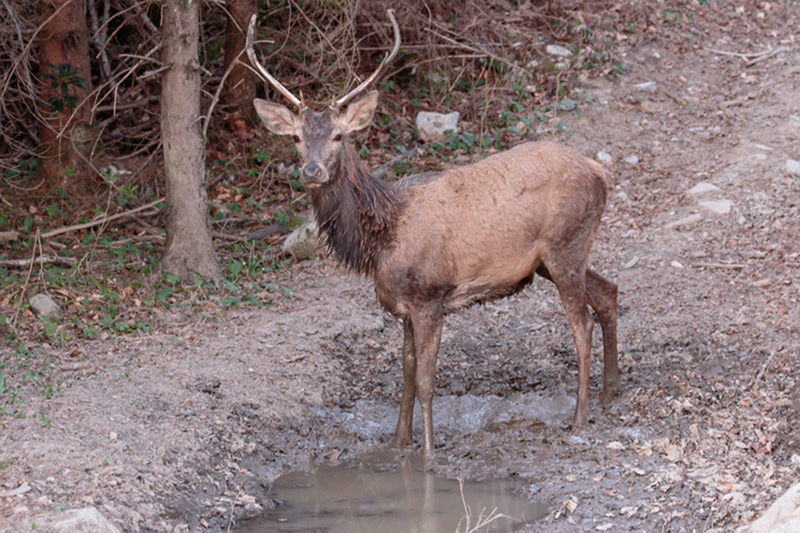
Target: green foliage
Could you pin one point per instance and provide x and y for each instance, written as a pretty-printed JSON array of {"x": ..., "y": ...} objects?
[{"x": 62, "y": 78}]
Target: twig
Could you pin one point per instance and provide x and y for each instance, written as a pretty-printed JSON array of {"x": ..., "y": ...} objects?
[
  {"x": 215, "y": 99},
  {"x": 735, "y": 54},
  {"x": 37, "y": 241},
  {"x": 476, "y": 50},
  {"x": 736, "y": 101},
  {"x": 754, "y": 57},
  {"x": 763, "y": 369},
  {"x": 39, "y": 260},
  {"x": 226, "y": 237},
  {"x": 767, "y": 55},
  {"x": 103, "y": 220},
  {"x": 730, "y": 266},
  {"x": 384, "y": 168}
]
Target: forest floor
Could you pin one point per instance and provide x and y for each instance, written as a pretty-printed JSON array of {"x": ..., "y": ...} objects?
[{"x": 173, "y": 429}]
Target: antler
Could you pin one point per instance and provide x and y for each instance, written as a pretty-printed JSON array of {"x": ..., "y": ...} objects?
[
  {"x": 346, "y": 98},
  {"x": 251, "y": 53}
]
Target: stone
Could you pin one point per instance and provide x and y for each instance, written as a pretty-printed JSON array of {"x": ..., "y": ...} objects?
[
  {"x": 632, "y": 159},
  {"x": 604, "y": 157},
  {"x": 557, "y": 50},
  {"x": 432, "y": 126},
  {"x": 686, "y": 221},
  {"x": 631, "y": 263},
  {"x": 783, "y": 516},
  {"x": 304, "y": 242},
  {"x": 793, "y": 167},
  {"x": 702, "y": 187},
  {"x": 86, "y": 520},
  {"x": 8, "y": 236},
  {"x": 646, "y": 86},
  {"x": 43, "y": 305},
  {"x": 718, "y": 207}
]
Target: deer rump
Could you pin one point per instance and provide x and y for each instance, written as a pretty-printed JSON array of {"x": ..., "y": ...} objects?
[{"x": 478, "y": 233}]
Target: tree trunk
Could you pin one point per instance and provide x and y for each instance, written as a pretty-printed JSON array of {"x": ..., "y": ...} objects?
[
  {"x": 189, "y": 252},
  {"x": 240, "y": 87},
  {"x": 64, "y": 81}
]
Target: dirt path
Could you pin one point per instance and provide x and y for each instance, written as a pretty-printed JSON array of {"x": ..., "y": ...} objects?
[{"x": 170, "y": 431}]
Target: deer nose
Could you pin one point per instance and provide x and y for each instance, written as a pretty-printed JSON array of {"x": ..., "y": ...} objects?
[{"x": 313, "y": 171}]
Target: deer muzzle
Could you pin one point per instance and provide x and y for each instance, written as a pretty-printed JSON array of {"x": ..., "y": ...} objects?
[{"x": 313, "y": 175}]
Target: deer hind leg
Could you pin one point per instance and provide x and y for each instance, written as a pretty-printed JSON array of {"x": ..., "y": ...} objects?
[
  {"x": 571, "y": 285},
  {"x": 602, "y": 297},
  {"x": 402, "y": 435},
  {"x": 427, "y": 321}
]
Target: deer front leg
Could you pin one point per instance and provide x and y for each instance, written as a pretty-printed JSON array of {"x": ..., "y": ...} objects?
[
  {"x": 402, "y": 435},
  {"x": 427, "y": 320}
]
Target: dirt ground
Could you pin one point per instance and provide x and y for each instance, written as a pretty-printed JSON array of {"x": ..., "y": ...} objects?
[{"x": 174, "y": 430}]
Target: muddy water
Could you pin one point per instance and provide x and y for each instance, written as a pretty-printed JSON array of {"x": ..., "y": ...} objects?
[
  {"x": 458, "y": 415},
  {"x": 385, "y": 493}
]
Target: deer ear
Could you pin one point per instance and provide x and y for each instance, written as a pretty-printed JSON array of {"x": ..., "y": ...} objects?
[
  {"x": 359, "y": 113},
  {"x": 276, "y": 118}
]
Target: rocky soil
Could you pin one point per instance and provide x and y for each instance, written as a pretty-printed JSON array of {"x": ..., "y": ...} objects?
[{"x": 184, "y": 428}]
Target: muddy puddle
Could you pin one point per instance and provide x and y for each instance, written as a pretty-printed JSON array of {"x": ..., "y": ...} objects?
[{"x": 390, "y": 493}]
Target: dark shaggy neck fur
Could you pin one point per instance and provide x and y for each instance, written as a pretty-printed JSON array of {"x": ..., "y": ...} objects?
[{"x": 356, "y": 213}]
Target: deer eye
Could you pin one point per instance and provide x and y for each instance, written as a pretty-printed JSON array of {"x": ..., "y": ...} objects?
[
  {"x": 338, "y": 137},
  {"x": 295, "y": 138}
]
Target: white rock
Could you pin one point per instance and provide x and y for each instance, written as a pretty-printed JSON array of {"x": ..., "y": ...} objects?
[
  {"x": 604, "y": 157},
  {"x": 431, "y": 126},
  {"x": 43, "y": 305},
  {"x": 702, "y": 187},
  {"x": 783, "y": 516},
  {"x": 676, "y": 264},
  {"x": 632, "y": 159},
  {"x": 631, "y": 263},
  {"x": 304, "y": 242},
  {"x": 86, "y": 520},
  {"x": 793, "y": 167},
  {"x": 719, "y": 207},
  {"x": 646, "y": 86},
  {"x": 686, "y": 221},
  {"x": 622, "y": 195},
  {"x": 557, "y": 50}
]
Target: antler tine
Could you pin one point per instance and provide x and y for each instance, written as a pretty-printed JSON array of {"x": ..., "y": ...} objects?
[
  {"x": 251, "y": 54},
  {"x": 346, "y": 98}
]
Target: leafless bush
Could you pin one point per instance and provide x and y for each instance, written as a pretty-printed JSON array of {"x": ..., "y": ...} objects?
[{"x": 318, "y": 47}]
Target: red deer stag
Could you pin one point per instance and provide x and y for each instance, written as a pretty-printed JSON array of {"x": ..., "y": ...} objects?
[{"x": 437, "y": 242}]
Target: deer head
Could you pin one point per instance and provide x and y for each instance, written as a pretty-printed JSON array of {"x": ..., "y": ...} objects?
[{"x": 319, "y": 136}]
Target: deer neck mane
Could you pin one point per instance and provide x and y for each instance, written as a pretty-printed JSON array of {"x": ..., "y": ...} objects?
[{"x": 356, "y": 213}]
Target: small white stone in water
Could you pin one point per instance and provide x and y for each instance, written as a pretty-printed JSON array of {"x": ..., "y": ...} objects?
[
  {"x": 793, "y": 167},
  {"x": 622, "y": 195},
  {"x": 632, "y": 159},
  {"x": 676, "y": 264}
]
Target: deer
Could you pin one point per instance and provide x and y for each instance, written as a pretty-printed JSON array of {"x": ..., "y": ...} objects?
[{"x": 437, "y": 242}]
